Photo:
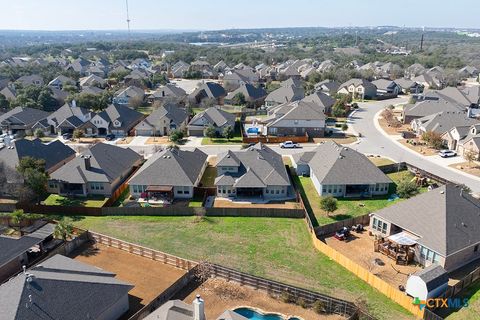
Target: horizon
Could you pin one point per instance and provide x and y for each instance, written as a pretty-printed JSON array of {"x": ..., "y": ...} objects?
[{"x": 149, "y": 15}]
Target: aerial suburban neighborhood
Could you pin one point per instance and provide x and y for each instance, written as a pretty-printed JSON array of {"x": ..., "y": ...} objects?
[{"x": 217, "y": 163}]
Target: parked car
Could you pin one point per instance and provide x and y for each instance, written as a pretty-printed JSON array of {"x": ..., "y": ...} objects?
[
  {"x": 110, "y": 137},
  {"x": 447, "y": 153},
  {"x": 289, "y": 145},
  {"x": 67, "y": 136}
]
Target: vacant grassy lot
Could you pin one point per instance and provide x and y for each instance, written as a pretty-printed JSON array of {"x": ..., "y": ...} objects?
[
  {"x": 57, "y": 200},
  {"x": 347, "y": 208},
  {"x": 279, "y": 249}
]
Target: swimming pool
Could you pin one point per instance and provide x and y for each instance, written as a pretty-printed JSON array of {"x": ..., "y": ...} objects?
[
  {"x": 253, "y": 130},
  {"x": 255, "y": 315}
]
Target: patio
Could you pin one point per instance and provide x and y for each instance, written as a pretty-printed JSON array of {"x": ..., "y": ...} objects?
[{"x": 359, "y": 247}]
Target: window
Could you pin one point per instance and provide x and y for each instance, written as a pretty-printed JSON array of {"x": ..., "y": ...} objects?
[
  {"x": 267, "y": 191},
  {"x": 186, "y": 191},
  {"x": 475, "y": 249},
  {"x": 324, "y": 190},
  {"x": 283, "y": 191},
  {"x": 277, "y": 191}
]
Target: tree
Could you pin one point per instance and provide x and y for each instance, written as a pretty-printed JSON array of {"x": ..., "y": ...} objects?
[
  {"x": 77, "y": 134},
  {"x": 63, "y": 229},
  {"x": 39, "y": 133},
  {"x": 344, "y": 127},
  {"x": 34, "y": 175},
  {"x": 176, "y": 136},
  {"x": 328, "y": 204},
  {"x": 228, "y": 132},
  {"x": 406, "y": 188},
  {"x": 433, "y": 139},
  {"x": 470, "y": 157},
  {"x": 239, "y": 99},
  {"x": 210, "y": 132},
  {"x": 136, "y": 102},
  {"x": 4, "y": 103}
]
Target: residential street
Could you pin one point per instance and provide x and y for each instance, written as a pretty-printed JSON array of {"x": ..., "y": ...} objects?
[{"x": 373, "y": 141}]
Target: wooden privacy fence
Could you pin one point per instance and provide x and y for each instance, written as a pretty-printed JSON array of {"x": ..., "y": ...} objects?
[
  {"x": 275, "y": 139},
  {"x": 393, "y": 293},
  {"x": 166, "y": 295},
  {"x": 143, "y": 251},
  {"x": 333, "y": 227},
  {"x": 331, "y": 305}
]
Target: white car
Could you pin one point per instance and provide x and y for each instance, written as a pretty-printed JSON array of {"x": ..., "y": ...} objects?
[
  {"x": 289, "y": 145},
  {"x": 447, "y": 153}
]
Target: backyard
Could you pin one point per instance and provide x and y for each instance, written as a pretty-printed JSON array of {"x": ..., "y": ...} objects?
[
  {"x": 473, "y": 309},
  {"x": 279, "y": 249},
  {"x": 57, "y": 200},
  {"x": 347, "y": 208}
]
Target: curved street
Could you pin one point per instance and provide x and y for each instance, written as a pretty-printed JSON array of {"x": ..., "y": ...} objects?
[{"x": 374, "y": 141}]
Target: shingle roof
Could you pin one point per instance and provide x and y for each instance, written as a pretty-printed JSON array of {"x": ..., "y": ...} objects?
[
  {"x": 61, "y": 288},
  {"x": 286, "y": 94},
  {"x": 261, "y": 166},
  {"x": 455, "y": 213},
  {"x": 211, "y": 89},
  {"x": 23, "y": 116},
  {"x": 358, "y": 82},
  {"x": 107, "y": 162},
  {"x": 172, "y": 310},
  {"x": 335, "y": 164},
  {"x": 127, "y": 116},
  {"x": 428, "y": 107},
  {"x": 323, "y": 100},
  {"x": 298, "y": 110},
  {"x": 444, "y": 121},
  {"x": 171, "y": 168},
  {"x": 249, "y": 91},
  {"x": 216, "y": 117},
  {"x": 433, "y": 276},
  {"x": 172, "y": 111}
]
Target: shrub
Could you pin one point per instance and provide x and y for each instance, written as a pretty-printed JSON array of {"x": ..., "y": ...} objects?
[
  {"x": 328, "y": 204},
  {"x": 39, "y": 133},
  {"x": 287, "y": 297},
  {"x": 344, "y": 127},
  {"x": 406, "y": 188},
  {"x": 433, "y": 139},
  {"x": 318, "y": 306},
  {"x": 176, "y": 136},
  {"x": 302, "y": 303}
]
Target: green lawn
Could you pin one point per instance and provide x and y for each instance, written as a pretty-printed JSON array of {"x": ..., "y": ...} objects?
[
  {"x": 379, "y": 161},
  {"x": 196, "y": 202},
  {"x": 237, "y": 138},
  {"x": 347, "y": 208},
  {"x": 473, "y": 309},
  {"x": 279, "y": 249},
  {"x": 147, "y": 109},
  {"x": 57, "y": 200},
  {"x": 208, "y": 178}
]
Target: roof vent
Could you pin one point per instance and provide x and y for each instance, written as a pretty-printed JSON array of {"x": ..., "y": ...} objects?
[
  {"x": 442, "y": 192},
  {"x": 228, "y": 156}
]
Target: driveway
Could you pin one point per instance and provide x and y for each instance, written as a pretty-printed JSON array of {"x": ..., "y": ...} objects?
[{"x": 374, "y": 141}]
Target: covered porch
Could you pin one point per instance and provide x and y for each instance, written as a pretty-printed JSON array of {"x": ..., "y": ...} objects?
[
  {"x": 249, "y": 193},
  {"x": 72, "y": 189},
  {"x": 357, "y": 191},
  {"x": 399, "y": 247},
  {"x": 157, "y": 195}
]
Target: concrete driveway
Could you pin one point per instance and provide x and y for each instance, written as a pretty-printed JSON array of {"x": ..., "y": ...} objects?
[{"x": 374, "y": 141}]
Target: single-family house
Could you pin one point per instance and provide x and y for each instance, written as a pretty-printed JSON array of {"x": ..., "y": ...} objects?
[
  {"x": 31, "y": 80},
  {"x": 55, "y": 155},
  {"x": 463, "y": 139},
  {"x": 99, "y": 170},
  {"x": 414, "y": 70},
  {"x": 428, "y": 107},
  {"x": 409, "y": 86},
  {"x": 168, "y": 92},
  {"x": 329, "y": 87},
  {"x": 21, "y": 120},
  {"x": 468, "y": 72},
  {"x": 116, "y": 119},
  {"x": 9, "y": 92},
  {"x": 442, "y": 225},
  {"x": 65, "y": 120},
  {"x": 255, "y": 172},
  {"x": 254, "y": 96},
  {"x": 387, "y": 87},
  {"x": 441, "y": 122},
  {"x": 235, "y": 78},
  {"x": 92, "y": 81},
  {"x": 358, "y": 88},
  {"x": 63, "y": 288},
  {"x": 129, "y": 96},
  {"x": 208, "y": 90},
  {"x": 290, "y": 90},
  {"x": 60, "y": 81},
  {"x": 429, "y": 80},
  {"x": 169, "y": 174},
  {"x": 212, "y": 116},
  {"x": 341, "y": 172},
  {"x": 162, "y": 121},
  {"x": 323, "y": 100},
  {"x": 296, "y": 118}
]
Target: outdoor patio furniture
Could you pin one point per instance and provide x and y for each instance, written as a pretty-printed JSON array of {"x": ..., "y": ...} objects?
[
  {"x": 342, "y": 234},
  {"x": 358, "y": 228}
]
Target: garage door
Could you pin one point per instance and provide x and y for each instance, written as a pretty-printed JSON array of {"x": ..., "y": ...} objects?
[
  {"x": 144, "y": 133},
  {"x": 195, "y": 132}
]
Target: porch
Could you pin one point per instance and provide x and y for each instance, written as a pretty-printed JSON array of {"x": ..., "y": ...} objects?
[{"x": 157, "y": 195}]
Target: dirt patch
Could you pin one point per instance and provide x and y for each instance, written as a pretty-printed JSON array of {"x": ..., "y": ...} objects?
[
  {"x": 339, "y": 140},
  {"x": 221, "y": 203},
  {"x": 379, "y": 161},
  {"x": 470, "y": 168},
  {"x": 422, "y": 149},
  {"x": 220, "y": 295},
  {"x": 149, "y": 277},
  {"x": 157, "y": 140},
  {"x": 125, "y": 140},
  {"x": 391, "y": 130},
  {"x": 360, "y": 249}
]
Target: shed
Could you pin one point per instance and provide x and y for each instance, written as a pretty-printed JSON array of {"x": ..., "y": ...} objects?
[{"x": 430, "y": 282}]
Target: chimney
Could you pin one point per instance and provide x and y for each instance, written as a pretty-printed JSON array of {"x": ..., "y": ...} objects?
[
  {"x": 198, "y": 308},
  {"x": 74, "y": 103},
  {"x": 86, "y": 158}
]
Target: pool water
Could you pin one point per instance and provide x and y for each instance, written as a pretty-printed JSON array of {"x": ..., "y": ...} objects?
[
  {"x": 254, "y": 315},
  {"x": 252, "y": 130}
]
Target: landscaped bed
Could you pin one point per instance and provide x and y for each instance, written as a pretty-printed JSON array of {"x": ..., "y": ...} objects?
[
  {"x": 274, "y": 248},
  {"x": 57, "y": 200}
]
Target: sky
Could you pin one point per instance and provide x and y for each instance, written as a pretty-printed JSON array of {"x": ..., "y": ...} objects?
[{"x": 226, "y": 14}]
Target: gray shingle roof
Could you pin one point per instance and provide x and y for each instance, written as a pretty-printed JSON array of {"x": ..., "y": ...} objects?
[
  {"x": 428, "y": 107},
  {"x": 171, "y": 111},
  {"x": 216, "y": 117},
  {"x": 434, "y": 276},
  {"x": 107, "y": 161},
  {"x": 454, "y": 213},
  {"x": 249, "y": 91},
  {"x": 444, "y": 121},
  {"x": 211, "y": 89},
  {"x": 127, "y": 116},
  {"x": 23, "y": 116},
  {"x": 323, "y": 100},
  {"x": 335, "y": 164},
  {"x": 172, "y": 310},
  {"x": 286, "y": 94},
  {"x": 171, "y": 168},
  {"x": 259, "y": 166},
  {"x": 61, "y": 289}
]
